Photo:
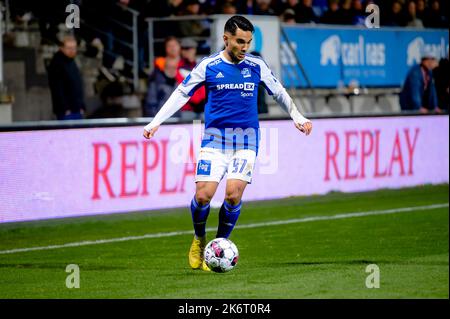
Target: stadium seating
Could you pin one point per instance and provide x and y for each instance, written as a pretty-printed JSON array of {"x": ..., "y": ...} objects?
[
  {"x": 363, "y": 104},
  {"x": 389, "y": 103}
]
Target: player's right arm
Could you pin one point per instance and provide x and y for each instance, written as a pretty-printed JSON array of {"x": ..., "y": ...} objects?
[{"x": 177, "y": 99}]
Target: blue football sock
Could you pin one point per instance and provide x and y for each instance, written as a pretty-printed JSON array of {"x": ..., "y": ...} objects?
[
  {"x": 199, "y": 217},
  {"x": 228, "y": 216}
]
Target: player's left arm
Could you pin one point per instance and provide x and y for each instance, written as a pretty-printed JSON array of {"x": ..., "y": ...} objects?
[
  {"x": 286, "y": 102},
  {"x": 274, "y": 88}
]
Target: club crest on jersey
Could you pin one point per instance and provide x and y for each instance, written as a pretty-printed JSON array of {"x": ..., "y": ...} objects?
[{"x": 246, "y": 73}]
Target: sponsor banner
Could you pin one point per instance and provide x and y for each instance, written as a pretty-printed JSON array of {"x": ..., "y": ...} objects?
[
  {"x": 370, "y": 57},
  {"x": 76, "y": 172}
]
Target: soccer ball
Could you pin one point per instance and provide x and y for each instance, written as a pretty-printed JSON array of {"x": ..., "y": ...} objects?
[{"x": 221, "y": 255}]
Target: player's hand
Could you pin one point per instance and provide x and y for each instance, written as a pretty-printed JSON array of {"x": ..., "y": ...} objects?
[
  {"x": 305, "y": 128},
  {"x": 151, "y": 133}
]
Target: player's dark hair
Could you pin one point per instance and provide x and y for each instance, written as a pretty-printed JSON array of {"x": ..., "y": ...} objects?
[{"x": 236, "y": 22}]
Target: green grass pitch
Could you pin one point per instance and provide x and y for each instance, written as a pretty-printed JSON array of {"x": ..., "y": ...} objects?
[{"x": 311, "y": 259}]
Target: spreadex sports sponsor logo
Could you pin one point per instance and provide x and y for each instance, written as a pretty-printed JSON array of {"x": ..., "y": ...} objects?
[{"x": 246, "y": 86}]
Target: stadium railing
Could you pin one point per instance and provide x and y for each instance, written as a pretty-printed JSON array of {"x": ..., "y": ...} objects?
[
  {"x": 132, "y": 44},
  {"x": 160, "y": 28},
  {"x": 5, "y": 99}
]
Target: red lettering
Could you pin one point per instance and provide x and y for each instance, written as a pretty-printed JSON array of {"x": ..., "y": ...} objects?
[
  {"x": 365, "y": 152},
  {"x": 331, "y": 156},
  {"x": 101, "y": 172},
  {"x": 411, "y": 148},
  {"x": 348, "y": 154},
  {"x": 127, "y": 167},
  {"x": 164, "y": 189},
  {"x": 397, "y": 156},
  {"x": 377, "y": 156},
  {"x": 146, "y": 166}
]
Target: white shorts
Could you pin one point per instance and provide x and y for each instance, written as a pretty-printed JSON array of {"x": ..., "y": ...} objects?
[{"x": 213, "y": 164}]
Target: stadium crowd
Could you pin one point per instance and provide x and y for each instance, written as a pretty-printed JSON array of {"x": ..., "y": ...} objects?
[
  {"x": 96, "y": 13},
  {"x": 417, "y": 13},
  {"x": 178, "y": 58}
]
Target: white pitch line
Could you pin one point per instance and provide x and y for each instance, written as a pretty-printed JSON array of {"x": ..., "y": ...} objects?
[{"x": 264, "y": 224}]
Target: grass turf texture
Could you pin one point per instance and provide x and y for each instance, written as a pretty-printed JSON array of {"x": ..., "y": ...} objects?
[{"x": 319, "y": 259}]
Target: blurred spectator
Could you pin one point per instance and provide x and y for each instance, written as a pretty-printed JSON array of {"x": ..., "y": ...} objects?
[
  {"x": 395, "y": 17},
  {"x": 305, "y": 12},
  {"x": 66, "y": 84},
  {"x": 421, "y": 10},
  {"x": 359, "y": 15},
  {"x": 419, "y": 92},
  {"x": 244, "y": 6},
  {"x": 228, "y": 8},
  {"x": 262, "y": 7},
  {"x": 164, "y": 8},
  {"x": 412, "y": 20},
  {"x": 331, "y": 16},
  {"x": 190, "y": 7},
  {"x": 160, "y": 87},
  {"x": 172, "y": 49},
  {"x": 188, "y": 55},
  {"x": 288, "y": 17},
  {"x": 294, "y": 5},
  {"x": 196, "y": 104},
  {"x": 345, "y": 12},
  {"x": 442, "y": 80},
  {"x": 218, "y": 6},
  {"x": 434, "y": 17},
  {"x": 192, "y": 27}
]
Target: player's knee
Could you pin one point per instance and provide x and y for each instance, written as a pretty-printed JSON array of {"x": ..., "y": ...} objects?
[
  {"x": 233, "y": 197},
  {"x": 202, "y": 198}
]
